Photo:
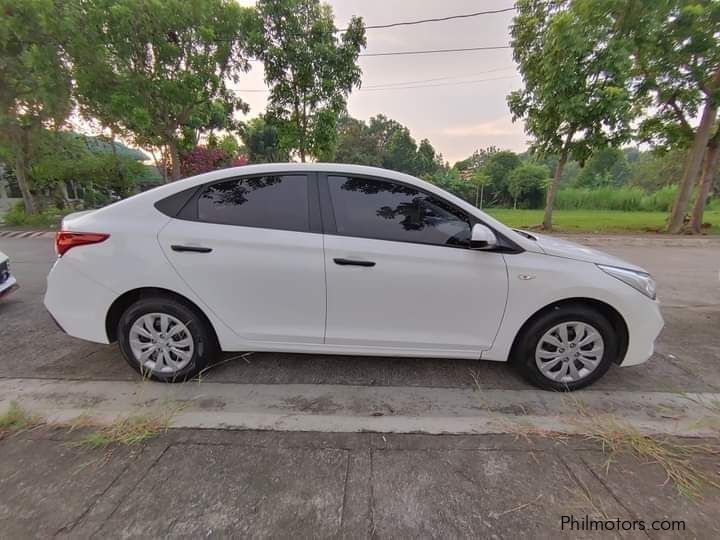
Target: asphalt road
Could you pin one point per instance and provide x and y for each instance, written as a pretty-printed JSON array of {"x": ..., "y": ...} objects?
[{"x": 687, "y": 357}]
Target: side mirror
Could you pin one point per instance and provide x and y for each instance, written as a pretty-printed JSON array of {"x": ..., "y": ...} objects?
[{"x": 482, "y": 237}]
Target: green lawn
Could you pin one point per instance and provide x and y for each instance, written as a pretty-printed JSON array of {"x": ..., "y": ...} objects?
[{"x": 595, "y": 221}]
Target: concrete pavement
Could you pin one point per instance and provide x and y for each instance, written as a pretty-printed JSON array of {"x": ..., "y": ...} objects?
[{"x": 220, "y": 484}]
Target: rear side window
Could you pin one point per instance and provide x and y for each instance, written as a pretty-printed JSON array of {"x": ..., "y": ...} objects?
[
  {"x": 386, "y": 210},
  {"x": 270, "y": 202}
]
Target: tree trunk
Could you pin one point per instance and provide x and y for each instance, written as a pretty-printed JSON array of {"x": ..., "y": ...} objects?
[
  {"x": 676, "y": 220},
  {"x": 21, "y": 174},
  {"x": 710, "y": 169},
  {"x": 477, "y": 196},
  {"x": 552, "y": 189},
  {"x": 482, "y": 189},
  {"x": 174, "y": 159}
]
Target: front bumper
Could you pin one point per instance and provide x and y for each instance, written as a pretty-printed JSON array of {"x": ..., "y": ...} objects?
[
  {"x": 8, "y": 286},
  {"x": 645, "y": 322}
]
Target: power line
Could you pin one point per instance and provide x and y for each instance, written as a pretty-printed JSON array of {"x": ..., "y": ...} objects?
[
  {"x": 437, "y": 78},
  {"x": 436, "y": 51},
  {"x": 437, "y": 19},
  {"x": 409, "y": 87},
  {"x": 460, "y": 83}
]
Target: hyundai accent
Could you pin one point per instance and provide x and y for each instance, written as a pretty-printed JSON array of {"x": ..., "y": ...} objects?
[{"x": 341, "y": 259}]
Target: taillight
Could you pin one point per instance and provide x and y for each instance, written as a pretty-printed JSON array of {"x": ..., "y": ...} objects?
[{"x": 65, "y": 240}]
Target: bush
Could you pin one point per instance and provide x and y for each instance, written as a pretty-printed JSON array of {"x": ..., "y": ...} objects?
[
  {"x": 49, "y": 217},
  {"x": 629, "y": 199}
]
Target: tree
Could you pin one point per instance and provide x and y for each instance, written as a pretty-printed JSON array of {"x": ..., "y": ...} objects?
[
  {"x": 310, "y": 71},
  {"x": 607, "y": 165},
  {"x": 709, "y": 172},
  {"x": 575, "y": 98},
  {"x": 677, "y": 51},
  {"x": 35, "y": 84},
  {"x": 160, "y": 70},
  {"x": 262, "y": 141},
  {"x": 525, "y": 179},
  {"x": 426, "y": 159},
  {"x": 356, "y": 143},
  {"x": 479, "y": 179}
]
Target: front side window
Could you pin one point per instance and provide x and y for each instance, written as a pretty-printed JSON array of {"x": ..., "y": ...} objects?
[
  {"x": 386, "y": 210},
  {"x": 271, "y": 202}
]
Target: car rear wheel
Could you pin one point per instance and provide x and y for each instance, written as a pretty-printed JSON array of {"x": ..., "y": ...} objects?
[
  {"x": 566, "y": 348},
  {"x": 165, "y": 340}
]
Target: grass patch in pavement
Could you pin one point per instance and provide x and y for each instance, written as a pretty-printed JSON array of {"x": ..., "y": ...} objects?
[
  {"x": 596, "y": 221},
  {"x": 126, "y": 431},
  {"x": 15, "y": 418}
]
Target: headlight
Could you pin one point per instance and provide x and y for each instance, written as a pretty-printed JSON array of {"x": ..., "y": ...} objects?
[{"x": 640, "y": 281}]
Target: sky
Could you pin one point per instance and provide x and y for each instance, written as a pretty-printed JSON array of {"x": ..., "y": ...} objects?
[{"x": 464, "y": 108}]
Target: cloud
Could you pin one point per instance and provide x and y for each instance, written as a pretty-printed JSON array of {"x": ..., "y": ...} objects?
[{"x": 499, "y": 127}]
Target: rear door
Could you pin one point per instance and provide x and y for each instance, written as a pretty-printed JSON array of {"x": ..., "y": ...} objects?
[
  {"x": 252, "y": 250},
  {"x": 400, "y": 273}
]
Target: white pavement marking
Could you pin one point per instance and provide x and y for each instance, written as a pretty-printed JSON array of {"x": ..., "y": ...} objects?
[
  {"x": 341, "y": 408},
  {"x": 27, "y": 234}
]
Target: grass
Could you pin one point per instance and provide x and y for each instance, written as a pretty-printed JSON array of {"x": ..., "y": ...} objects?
[
  {"x": 15, "y": 418},
  {"x": 676, "y": 457},
  {"x": 596, "y": 221},
  {"x": 126, "y": 431}
]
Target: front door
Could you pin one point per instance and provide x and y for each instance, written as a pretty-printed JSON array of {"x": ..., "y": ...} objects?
[{"x": 400, "y": 274}]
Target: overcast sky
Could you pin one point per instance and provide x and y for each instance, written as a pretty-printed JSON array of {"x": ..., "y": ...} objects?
[{"x": 457, "y": 117}]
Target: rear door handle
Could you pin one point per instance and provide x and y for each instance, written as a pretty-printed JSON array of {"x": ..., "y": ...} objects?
[
  {"x": 194, "y": 249},
  {"x": 352, "y": 262}
]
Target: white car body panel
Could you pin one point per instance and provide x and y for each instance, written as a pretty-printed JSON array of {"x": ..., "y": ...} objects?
[
  {"x": 269, "y": 294},
  {"x": 401, "y": 303},
  {"x": 9, "y": 283},
  {"x": 266, "y": 285}
]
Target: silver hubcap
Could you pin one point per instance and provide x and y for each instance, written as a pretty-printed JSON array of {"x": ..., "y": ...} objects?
[
  {"x": 569, "y": 351},
  {"x": 161, "y": 343}
]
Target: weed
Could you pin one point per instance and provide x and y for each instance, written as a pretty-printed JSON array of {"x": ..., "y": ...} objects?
[
  {"x": 16, "y": 419},
  {"x": 127, "y": 431}
]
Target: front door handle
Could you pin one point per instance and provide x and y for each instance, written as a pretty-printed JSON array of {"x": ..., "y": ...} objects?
[
  {"x": 352, "y": 262},
  {"x": 194, "y": 249}
]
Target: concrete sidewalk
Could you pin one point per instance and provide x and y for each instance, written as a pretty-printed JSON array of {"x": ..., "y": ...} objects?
[{"x": 193, "y": 483}]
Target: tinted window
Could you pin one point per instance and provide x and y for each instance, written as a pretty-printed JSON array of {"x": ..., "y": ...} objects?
[
  {"x": 272, "y": 202},
  {"x": 390, "y": 211}
]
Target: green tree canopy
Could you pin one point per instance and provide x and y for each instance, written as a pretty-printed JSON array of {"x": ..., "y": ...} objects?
[
  {"x": 576, "y": 98},
  {"x": 310, "y": 69},
  {"x": 160, "y": 70},
  {"x": 262, "y": 141},
  {"x": 35, "y": 84}
]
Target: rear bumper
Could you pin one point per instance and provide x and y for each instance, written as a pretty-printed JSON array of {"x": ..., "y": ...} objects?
[{"x": 77, "y": 303}]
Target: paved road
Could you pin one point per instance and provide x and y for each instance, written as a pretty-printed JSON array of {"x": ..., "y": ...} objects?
[{"x": 687, "y": 358}]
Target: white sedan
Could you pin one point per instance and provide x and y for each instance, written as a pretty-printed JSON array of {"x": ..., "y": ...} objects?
[
  {"x": 8, "y": 283},
  {"x": 341, "y": 259}
]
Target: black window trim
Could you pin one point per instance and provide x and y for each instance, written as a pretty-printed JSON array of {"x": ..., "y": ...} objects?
[
  {"x": 327, "y": 211},
  {"x": 189, "y": 210}
]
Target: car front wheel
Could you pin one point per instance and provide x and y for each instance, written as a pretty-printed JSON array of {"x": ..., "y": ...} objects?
[
  {"x": 566, "y": 348},
  {"x": 165, "y": 340}
]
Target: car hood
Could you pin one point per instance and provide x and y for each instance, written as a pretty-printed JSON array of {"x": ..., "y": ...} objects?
[
  {"x": 570, "y": 250},
  {"x": 3, "y": 257}
]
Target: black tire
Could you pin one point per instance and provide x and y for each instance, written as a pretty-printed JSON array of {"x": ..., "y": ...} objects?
[
  {"x": 203, "y": 339},
  {"x": 523, "y": 353}
]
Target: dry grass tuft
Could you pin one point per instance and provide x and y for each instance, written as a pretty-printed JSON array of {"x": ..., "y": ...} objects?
[
  {"x": 678, "y": 458},
  {"x": 127, "y": 431}
]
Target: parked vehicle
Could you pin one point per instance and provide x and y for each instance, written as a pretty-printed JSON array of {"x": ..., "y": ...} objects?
[
  {"x": 341, "y": 259},
  {"x": 8, "y": 283}
]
